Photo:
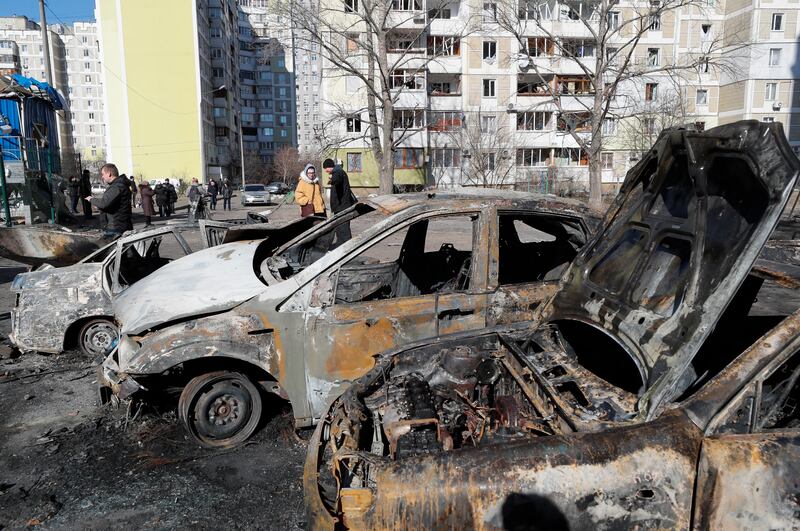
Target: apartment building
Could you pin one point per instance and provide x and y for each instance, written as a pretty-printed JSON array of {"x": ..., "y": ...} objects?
[
  {"x": 764, "y": 86},
  {"x": 9, "y": 58},
  {"x": 84, "y": 88},
  {"x": 171, "y": 87},
  {"x": 480, "y": 101},
  {"x": 267, "y": 73},
  {"x": 28, "y": 60}
]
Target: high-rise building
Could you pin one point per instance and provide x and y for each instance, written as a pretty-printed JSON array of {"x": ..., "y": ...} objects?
[
  {"x": 476, "y": 103},
  {"x": 84, "y": 88},
  {"x": 171, "y": 87}
]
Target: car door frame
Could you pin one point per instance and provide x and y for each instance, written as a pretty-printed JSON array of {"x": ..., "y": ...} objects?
[
  {"x": 115, "y": 287},
  {"x": 320, "y": 359},
  {"x": 527, "y": 297}
]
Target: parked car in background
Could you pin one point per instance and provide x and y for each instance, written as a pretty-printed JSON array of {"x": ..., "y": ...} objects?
[
  {"x": 278, "y": 188},
  {"x": 65, "y": 307},
  {"x": 302, "y": 319},
  {"x": 656, "y": 388},
  {"x": 255, "y": 193}
]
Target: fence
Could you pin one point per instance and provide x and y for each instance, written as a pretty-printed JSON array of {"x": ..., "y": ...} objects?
[{"x": 34, "y": 187}]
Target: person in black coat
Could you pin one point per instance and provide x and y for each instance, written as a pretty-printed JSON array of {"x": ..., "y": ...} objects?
[
  {"x": 213, "y": 190},
  {"x": 86, "y": 191},
  {"x": 172, "y": 197},
  {"x": 162, "y": 199},
  {"x": 115, "y": 203},
  {"x": 342, "y": 197},
  {"x": 74, "y": 193}
]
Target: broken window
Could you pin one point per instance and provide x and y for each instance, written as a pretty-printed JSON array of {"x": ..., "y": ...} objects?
[
  {"x": 535, "y": 248},
  {"x": 779, "y": 407},
  {"x": 433, "y": 255},
  {"x": 140, "y": 258}
]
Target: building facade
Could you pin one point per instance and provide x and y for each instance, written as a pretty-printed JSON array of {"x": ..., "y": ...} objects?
[
  {"x": 171, "y": 87},
  {"x": 485, "y": 101}
]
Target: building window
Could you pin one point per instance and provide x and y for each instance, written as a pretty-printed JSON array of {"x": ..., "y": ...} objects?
[
  {"x": 438, "y": 45},
  {"x": 533, "y": 121},
  {"x": 649, "y": 126},
  {"x": 653, "y": 57},
  {"x": 489, "y": 51},
  {"x": 768, "y": 119},
  {"x": 613, "y": 20},
  {"x": 284, "y": 133},
  {"x": 531, "y": 157},
  {"x": 777, "y": 22},
  {"x": 406, "y": 5},
  {"x": 774, "y": 57},
  {"x": 700, "y": 126},
  {"x": 489, "y": 161},
  {"x": 701, "y": 97},
  {"x": 446, "y": 158},
  {"x": 88, "y": 79},
  {"x": 410, "y": 79},
  {"x": 488, "y": 124},
  {"x": 655, "y": 23},
  {"x": 407, "y": 119},
  {"x": 283, "y": 120},
  {"x": 771, "y": 92},
  {"x": 354, "y": 124},
  {"x": 354, "y": 163},
  {"x": 490, "y": 12},
  {"x": 442, "y": 13},
  {"x": 609, "y": 126},
  {"x": 607, "y": 160},
  {"x": 651, "y": 92},
  {"x": 267, "y": 131},
  {"x": 86, "y": 53},
  {"x": 409, "y": 158},
  {"x": 442, "y": 121},
  {"x": 219, "y": 112},
  {"x": 489, "y": 88},
  {"x": 91, "y": 116},
  {"x": 220, "y": 131}
]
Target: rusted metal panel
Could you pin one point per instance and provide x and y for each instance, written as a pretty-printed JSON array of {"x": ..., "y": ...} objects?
[
  {"x": 58, "y": 246},
  {"x": 749, "y": 482}
]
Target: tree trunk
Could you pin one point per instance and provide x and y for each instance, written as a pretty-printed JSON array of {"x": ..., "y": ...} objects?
[
  {"x": 595, "y": 153},
  {"x": 386, "y": 183}
]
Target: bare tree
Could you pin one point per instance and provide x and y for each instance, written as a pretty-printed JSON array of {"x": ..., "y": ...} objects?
[
  {"x": 379, "y": 49},
  {"x": 639, "y": 131},
  {"x": 613, "y": 68},
  {"x": 287, "y": 164}
]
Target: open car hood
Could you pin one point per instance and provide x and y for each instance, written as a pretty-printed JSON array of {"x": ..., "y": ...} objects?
[
  {"x": 678, "y": 241},
  {"x": 208, "y": 281}
]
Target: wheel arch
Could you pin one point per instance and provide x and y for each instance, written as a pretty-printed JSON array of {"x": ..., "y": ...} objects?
[{"x": 70, "y": 339}]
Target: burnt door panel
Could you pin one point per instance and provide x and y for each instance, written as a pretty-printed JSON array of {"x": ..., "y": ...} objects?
[{"x": 749, "y": 481}]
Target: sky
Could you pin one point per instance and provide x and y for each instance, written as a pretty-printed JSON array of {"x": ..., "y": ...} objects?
[{"x": 67, "y": 11}]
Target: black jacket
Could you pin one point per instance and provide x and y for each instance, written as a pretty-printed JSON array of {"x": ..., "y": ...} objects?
[
  {"x": 116, "y": 203},
  {"x": 341, "y": 195},
  {"x": 162, "y": 194}
]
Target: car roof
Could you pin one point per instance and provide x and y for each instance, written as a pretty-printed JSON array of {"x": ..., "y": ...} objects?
[{"x": 462, "y": 197}]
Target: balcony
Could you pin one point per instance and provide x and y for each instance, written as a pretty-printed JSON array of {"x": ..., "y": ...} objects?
[{"x": 407, "y": 14}]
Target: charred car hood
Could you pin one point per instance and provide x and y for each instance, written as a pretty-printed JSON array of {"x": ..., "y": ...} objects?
[
  {"x": 208, "y": 281},
  {"x": 62, "y": 277},
  {"x": 684, "y": 231}
]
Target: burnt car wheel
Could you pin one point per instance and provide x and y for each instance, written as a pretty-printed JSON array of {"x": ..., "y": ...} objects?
[
  {"x": 220, "y": 409},
  {"x": 96, "y": 336}
]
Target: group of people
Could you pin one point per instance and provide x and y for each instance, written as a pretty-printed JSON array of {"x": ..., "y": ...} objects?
[
  {"x": 308, "y": 195},
  {"x": 119, "y": 198},
  {"x": 79, "y": 189}
]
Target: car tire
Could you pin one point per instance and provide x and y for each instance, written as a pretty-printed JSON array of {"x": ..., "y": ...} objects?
[
  {"x": 220, "y": 409},
  {"x": 96, "y": 336}
]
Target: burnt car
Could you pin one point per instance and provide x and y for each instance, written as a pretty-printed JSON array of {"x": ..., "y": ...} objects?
[
  {"x": 303, "y": 318},
  {"x": 651, "y": 391},
  {"x": 65, "y": 307}
]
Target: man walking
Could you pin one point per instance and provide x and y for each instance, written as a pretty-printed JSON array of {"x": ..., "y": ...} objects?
[
  {"x": 212, "y": 192},
  {"x": 162, "y": 195},
  {"x": 172, "y": 197},
  {"x": 115, "y": 203},
  {"x": 195, "y": 195},
  {"x": 146, "y": 194},
  {"x": 341, "y": 197},
  {"x": 86, "y": 191},
  {"x": 74, "y": 193}
]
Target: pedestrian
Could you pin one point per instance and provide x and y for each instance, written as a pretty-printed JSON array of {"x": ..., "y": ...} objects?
[
  {"x": 213, "y": 191},
  {"x": 195, "y": 194},
  {"x": 342, "y": 197},
  {"x": 86, "y": 191},
  {"x": 308, "y": 193},
  {"x": 146, "y": 198},
  {"x": 74, "y": 193},
  {"x": 115, "y": 203},
  {"x": 133, "y": 191},
  {"x": 172, "y": 197},
  {"x": 161, "y": 194},
  {"x": 227, "y": 193}
]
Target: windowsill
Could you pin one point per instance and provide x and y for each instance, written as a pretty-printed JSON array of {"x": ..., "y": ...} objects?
[{"x": 443, "y": 94}]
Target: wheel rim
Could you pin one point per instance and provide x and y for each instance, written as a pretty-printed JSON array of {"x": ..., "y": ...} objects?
[
  {"x": 222, "y": 410},
  {"x": 98, "y": 337}
]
